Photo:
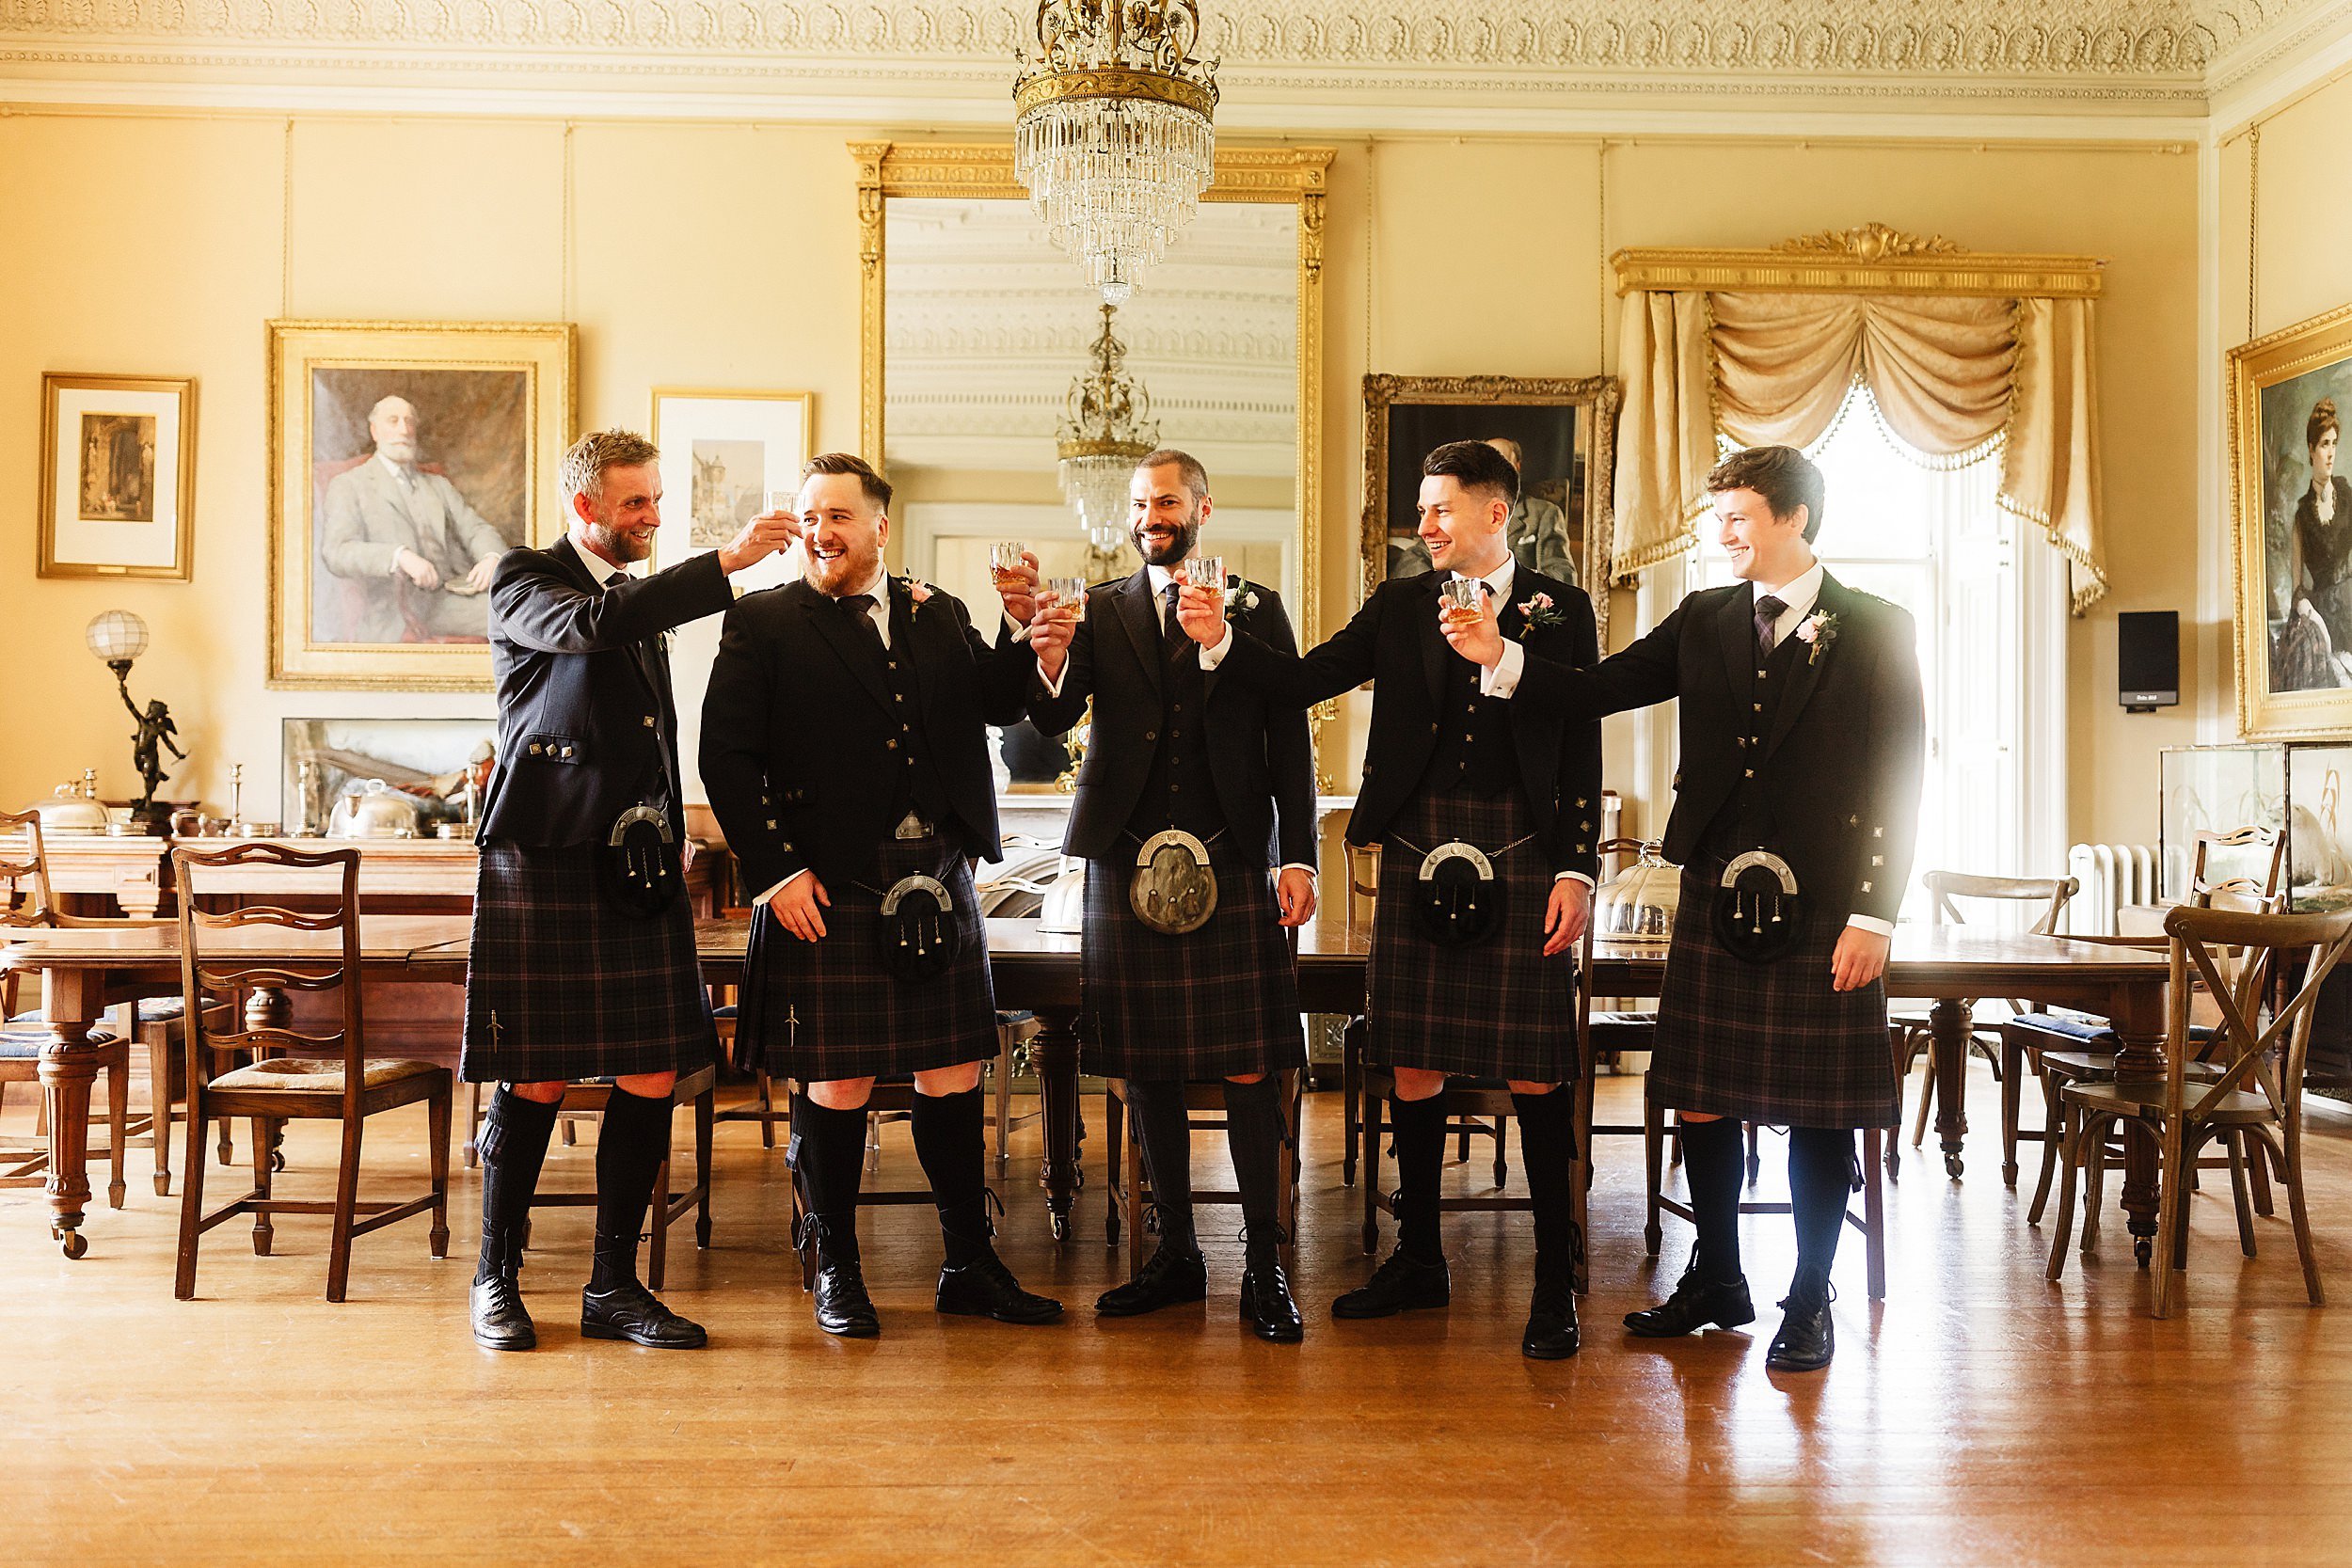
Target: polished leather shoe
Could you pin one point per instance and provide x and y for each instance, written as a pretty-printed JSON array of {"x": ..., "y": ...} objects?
[
  {"x": 1805, "y": 1341},
  {"x": 1167, "y": 1278},
  {"x": 1401, "y": 1284},
  {"x": 986, "y": 1289},
  {"x": 629, "y": 1311},
  {"x": 1267, "y": 1306},
  {"x": 1694, "y": 1304},
  {"x": 843, "y": 1307},
  {"x": 1552, "y": 1333},
  {"x": 499, "y": 1322}
]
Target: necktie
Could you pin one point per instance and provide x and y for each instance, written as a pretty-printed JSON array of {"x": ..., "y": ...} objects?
[
  {"x": 616, "y": 579},
  {"x": 1767, "y": 614},
  {"x": 859, "y": 608},
  {"x": 1173, "y": 638}
]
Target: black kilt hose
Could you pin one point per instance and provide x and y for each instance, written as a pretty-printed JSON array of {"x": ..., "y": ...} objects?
[
  {"x": 559, "y": 985},
  {"x": 827, "y": 1009},
  {"x": 1499, "y": 1009},
  {"x": 1220, "y": 1000},
  {"x": 1768, "y": 1042}
]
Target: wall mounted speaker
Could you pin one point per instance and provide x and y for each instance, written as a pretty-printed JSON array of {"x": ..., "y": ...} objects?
[{"x": 2147, "y": 659}]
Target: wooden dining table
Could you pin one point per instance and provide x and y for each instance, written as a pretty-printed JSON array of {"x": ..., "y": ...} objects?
[{"x": 86, "y": 971}]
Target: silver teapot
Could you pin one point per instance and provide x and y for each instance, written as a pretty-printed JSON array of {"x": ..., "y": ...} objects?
[
  {"x": 372, "y": 809},
  {"x": 1637, "y": 906}
]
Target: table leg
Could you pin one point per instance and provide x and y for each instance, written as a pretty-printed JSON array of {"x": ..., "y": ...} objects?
[
  {"x": 1950, "y": 1020},
  {"x": 1055, "y": 1050},
  {"x": 69, "y": 1066},
  {"x": 2137, "y": 1015}
]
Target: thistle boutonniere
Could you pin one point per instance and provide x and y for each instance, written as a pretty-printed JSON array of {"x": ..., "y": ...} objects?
[
  {"x": 1818, "y": 633},
  {"x": 1539, "y": 612},
  {"x": 918, "y": 594},
  {"x": 1239, "y": 597}
]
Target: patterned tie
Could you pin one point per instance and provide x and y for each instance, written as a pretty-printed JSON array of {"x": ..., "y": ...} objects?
[
  {"x": 1173, "y": 638},
  {"x": 1767, "y": 614}
]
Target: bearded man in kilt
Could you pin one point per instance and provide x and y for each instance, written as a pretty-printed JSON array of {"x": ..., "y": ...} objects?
[
  {"x": 845, "y": 747},
  {"x": 1484, "y": 807},
  {"x": 1175, "y": 750},
  {"x": 582, "y": 963},
  {"x": 1803, "y": 738}
]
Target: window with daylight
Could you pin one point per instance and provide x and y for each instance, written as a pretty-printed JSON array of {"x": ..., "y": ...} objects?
[{"x": 1927, "y": 534}]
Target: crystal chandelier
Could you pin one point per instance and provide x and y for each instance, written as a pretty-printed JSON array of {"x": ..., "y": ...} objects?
[
  {"x": 1111, "y": 131},
  {"x": 1108, "y": 429}
]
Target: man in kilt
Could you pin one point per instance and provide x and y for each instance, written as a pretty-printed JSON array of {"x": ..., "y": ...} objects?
[
  {"x": 845, "y": 747},
  {"x": 574, "y": 973},
  {"x": 1175, "y": 748},
  {"x": 1803, "y": 736},
  {"x": 1471, "y": 971}
]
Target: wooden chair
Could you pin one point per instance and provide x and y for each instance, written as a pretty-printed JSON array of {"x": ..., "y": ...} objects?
[
  {"x": 330, "y": 1078},
  {"x": 1204, "y": 1111},
  {"x": 698, "y": 1088},
  {"x": 2258, "y": 1092},
  {"x": 1912, "y": 1032}
]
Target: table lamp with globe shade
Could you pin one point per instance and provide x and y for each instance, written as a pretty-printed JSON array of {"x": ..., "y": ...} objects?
[{"x": 115, "y": 638}]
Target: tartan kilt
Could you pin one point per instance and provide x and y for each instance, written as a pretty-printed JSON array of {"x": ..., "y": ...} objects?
[
  {"x": 559, "y": 985},
  {"x": 1769, "y": 1042},
  {"x": 1500, "y": 1009},
  {"x": 826, "y": 1009},
  {"x": 1220, "y": 1000}
]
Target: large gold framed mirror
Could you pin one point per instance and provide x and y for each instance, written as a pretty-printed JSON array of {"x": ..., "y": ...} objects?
[{"x": 974, "y": 327}]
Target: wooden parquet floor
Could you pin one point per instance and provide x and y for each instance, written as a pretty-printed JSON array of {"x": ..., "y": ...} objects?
[{"x": 1980, "y": 1416}]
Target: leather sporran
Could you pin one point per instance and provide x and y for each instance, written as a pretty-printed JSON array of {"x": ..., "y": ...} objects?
[
  {"x": 1457, "y": 898},
  {"x": 639, "y": 865},
  {"x": 1759, "y": 914},
  {"x": 1173, "y": 887},
  {"x": 919, "y": 935}
]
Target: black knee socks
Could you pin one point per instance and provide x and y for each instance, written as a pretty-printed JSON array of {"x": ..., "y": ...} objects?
[
  {"x": 1255, "y": 1133},
  {"x": 1712, "y": 1158},
  {"x": 1419, "y": 1129},
  {"x": 1547, "y": 1148},
  {"x": 636, "y": 1136},
  {"x": 829, "y": 1159},
  {"x": 1164, "y": 1131},
  {"x": 1821, "y": 1175},
  {"x": 951, "y": 1140},
  {"x": 513, "y": 1146}
]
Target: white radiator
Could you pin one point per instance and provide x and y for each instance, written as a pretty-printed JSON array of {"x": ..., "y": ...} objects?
[{"x": 2113, "y": 876}]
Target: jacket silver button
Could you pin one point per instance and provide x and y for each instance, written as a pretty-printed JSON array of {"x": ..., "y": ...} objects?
[
  {"x": 536, "y": 748},
  {"x": 649, "y": 720}
]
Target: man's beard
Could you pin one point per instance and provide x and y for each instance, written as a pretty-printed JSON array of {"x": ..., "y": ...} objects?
[
  {"x": 846, "y": 573},
  {"x": 1188, "y": 534},
  {"x": 401, "y": 452},
  {"x": 617, "y": 547}
]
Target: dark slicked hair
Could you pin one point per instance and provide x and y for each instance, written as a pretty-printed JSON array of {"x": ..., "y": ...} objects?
[
  {"x": 1473, "y": 466},
  {"x": 1187, "y": 467},
  {"x": 1785, "y": 477},
  {"x": 876, "y": 487}
]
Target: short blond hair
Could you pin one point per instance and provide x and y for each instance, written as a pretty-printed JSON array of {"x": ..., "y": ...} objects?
[{"x": 592, "y": 453}]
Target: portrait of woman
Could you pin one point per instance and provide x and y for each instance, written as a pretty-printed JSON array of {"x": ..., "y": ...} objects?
[{"x": 2315, "y": 647}]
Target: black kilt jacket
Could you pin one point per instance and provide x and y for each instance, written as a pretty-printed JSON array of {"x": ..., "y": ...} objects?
[
  {"x": 1839, "y": 767},
  {"x": 1223, "y": 999}
]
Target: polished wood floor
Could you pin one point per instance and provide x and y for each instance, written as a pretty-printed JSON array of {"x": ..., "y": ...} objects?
[{"x": 1980, "y": 1416}]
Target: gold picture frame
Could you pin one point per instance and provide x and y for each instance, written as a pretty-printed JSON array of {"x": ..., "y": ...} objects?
[
  {"x": 1530, "y": 410},
  {"x": 2292, "y": 630},
  {"x": 118, "y": 476},
  {"x": 382, "y": 518}
]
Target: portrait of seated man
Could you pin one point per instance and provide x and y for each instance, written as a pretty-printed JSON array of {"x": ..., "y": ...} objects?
[{"x": 404, "y": 557}]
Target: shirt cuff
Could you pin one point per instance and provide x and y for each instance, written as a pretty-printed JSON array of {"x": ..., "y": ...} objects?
[
  {"x": 1871, "y": 924},
  {"x": 1053, "y": 683},
  {"x": 1579, "y": 876},
  {"x": 1011, "y": 625},
  {"x": 781, "y": 886},
  {"x": 1296, "y": 865},
  {"x": 1502, "y": 678},
  {"x": 1212, "y": 657}
]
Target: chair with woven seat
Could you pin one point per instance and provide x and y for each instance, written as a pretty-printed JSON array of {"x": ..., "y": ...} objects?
[
  {"x": 2257, "y": 1093},
  {"x": 326, "y": 1077}
]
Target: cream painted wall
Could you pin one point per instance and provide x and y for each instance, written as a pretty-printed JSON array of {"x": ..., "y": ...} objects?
[{"x": 725, "y": 256}]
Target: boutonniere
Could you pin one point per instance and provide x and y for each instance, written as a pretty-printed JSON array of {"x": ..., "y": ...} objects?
[
  {"x": 1819, "y": 631},
  {"x": 918, "y": 594},
  {"x": 1539, "y": 612},
  {"x": 1239, "y": 597}
]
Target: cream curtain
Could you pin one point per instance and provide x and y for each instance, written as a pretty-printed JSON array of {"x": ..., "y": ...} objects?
[{"x": 1950, "y": 376}]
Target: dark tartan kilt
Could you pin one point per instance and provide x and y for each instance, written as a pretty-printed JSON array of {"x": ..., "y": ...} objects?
[
  {"x": 1500, "y": 1009},
  {"x": 1769, "y": 1042},
  {"x": 1223, "y": 999},
  {"x": 829, "y": 1009},
  {"x": 559, "y": 985}
]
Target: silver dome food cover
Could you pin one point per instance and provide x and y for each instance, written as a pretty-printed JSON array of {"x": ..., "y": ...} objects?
[{"x": 1637, "y": 907}]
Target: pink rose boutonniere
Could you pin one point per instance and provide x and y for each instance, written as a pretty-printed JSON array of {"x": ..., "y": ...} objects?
[
  {"x": 1539, "y": 612},
  {"x": 918, "y": 594},
  {"x": 1818, "y": 633}
]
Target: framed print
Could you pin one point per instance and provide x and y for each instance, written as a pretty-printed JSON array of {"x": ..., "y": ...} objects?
[
  {"x": 404, "y": 460},
  {"x": 723, "y": 456},
  {"x": 2290, "y": 396},
  {"x": 430, "y": 760},
  {"x": 118, "y": 476},
  {"x": 1558, "y": 434}
]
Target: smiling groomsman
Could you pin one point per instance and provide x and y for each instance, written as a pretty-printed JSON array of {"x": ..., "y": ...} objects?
[
  {"x": 845, "y": 746},
  {"x": 1194, "y": 791},
  {"x": 1483, "y": 808}
]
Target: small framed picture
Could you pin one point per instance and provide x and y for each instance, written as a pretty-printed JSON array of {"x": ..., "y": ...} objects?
[
  {"x": 725, "y": 457},
  {"x": 118, "y": 476}
]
